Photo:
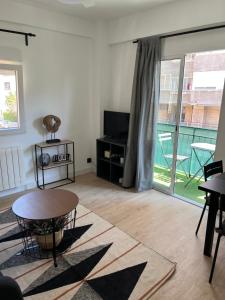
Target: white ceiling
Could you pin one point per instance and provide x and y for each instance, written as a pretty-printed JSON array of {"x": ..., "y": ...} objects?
[{"x": 103, "y": 9}]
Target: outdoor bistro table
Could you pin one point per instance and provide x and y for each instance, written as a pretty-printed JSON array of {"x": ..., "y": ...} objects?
[
  {"x": 41, "y": 206},
  {"x": 203, "y": 147},
  {"x": 215, "y": 187}
]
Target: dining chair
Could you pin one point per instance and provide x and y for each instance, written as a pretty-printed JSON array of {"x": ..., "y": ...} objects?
[
  {"x": 221, "y": 232},
  {"x": 211, "y": 169},
  {"x": 166, "y": 144}
]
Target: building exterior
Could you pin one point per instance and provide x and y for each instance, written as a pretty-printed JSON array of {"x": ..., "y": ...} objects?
[{"x": 202, "y": 90}]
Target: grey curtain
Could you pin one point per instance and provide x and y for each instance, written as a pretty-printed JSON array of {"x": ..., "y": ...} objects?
[{"x": 138, "y": 170}]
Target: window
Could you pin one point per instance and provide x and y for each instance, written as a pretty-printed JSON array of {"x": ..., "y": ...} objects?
[{"x": 11, "y": 99}]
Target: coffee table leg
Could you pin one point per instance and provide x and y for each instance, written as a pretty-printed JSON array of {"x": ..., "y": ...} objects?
[
  {"x": 54, "y": 248},
  {"x": 74, "y": 217}
]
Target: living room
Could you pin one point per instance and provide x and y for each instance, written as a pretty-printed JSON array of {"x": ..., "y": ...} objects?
[{"x": 77, "y": 65}]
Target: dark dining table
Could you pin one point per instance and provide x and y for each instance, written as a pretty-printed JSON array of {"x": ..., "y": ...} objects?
[{"x": 216, "y": 188}]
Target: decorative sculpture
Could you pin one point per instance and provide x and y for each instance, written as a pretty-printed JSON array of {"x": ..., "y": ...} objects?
[
  {"x": 52, "y": 123},
  {"x": 44, "y": 159}
]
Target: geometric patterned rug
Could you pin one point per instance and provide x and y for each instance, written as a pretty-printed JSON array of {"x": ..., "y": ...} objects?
[{"x": 103, "y": 263}]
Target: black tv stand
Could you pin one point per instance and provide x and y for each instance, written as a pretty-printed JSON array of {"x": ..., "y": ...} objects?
[
  {"x": 111, "y": 155},
  {"x": 114, "y": 140}
]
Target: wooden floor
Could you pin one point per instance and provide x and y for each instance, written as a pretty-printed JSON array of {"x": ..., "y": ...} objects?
[{"x": 164, "y": 224}]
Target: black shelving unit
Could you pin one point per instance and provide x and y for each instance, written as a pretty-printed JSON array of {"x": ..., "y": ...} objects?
[
  {"x": 65, "y": 146},
  {"x": 110, "y": 160}
]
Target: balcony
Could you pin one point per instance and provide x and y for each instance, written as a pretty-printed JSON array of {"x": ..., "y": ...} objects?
[{"x": 162, "y": 167}]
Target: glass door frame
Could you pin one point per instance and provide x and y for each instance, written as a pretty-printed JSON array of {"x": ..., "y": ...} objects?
[
  {"x": 158, "y": 186},
  {"x": 171, "y": 189}
]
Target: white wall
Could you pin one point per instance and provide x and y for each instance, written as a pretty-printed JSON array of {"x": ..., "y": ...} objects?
[
  {"x": 58, "y": 79},
  {"x": 171, "y": 17},
  {"x": 42, "y": 18},
  {"x": 101, "y": 83},
  {"x": 122, "y": 58}
]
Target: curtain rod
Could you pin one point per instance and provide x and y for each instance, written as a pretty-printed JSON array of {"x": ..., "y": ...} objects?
[
  {"x": 26, "y": 34},
  {"x": 188, "y": 32}
]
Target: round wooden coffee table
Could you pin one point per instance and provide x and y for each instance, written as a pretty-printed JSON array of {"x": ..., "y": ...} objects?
[{"x": 46, "y": 205}]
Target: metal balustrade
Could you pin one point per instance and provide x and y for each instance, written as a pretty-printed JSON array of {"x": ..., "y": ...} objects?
[{"x": 187, "y": 136}]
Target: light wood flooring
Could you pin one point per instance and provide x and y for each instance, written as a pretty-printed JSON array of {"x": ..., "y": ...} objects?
[{"x": 162, "y": 223}]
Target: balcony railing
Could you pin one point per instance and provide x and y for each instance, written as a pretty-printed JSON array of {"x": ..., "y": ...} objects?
[{"x": 187, "y": 136}]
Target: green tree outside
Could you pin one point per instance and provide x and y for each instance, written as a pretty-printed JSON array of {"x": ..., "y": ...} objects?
[{"x": 11, "y": 113}]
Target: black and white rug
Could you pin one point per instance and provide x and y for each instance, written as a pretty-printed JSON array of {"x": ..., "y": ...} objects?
[{"x": 102, "y": 263}]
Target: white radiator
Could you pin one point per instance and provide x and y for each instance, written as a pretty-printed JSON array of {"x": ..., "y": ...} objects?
[{"x": 11, "y": 168}]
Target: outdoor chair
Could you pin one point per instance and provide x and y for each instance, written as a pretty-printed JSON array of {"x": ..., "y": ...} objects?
[
  {"x": 166, "y": 142},
  {"x": 221, "y": 232},
  {"x": 209, "y": 170}
]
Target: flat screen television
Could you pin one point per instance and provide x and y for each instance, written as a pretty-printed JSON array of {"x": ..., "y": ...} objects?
[{"x": 116, "y": 125}]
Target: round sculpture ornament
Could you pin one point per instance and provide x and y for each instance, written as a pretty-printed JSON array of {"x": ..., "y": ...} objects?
[
  {"x": 44, "y": 159},
  {"x": 51, "y": 123}
]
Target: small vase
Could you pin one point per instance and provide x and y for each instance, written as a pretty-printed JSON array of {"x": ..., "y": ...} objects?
[{"x": 46, "y": 241}]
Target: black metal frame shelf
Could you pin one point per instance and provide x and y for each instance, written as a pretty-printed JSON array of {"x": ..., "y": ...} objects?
[
  {"x": 53, "y": 165},
  {"x": 41, "y": 183}
]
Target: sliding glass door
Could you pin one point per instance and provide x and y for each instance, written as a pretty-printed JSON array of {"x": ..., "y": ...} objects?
[
  {"x": 188, "y": 116},
  {"x": 203, "y": 83},
  {"x": 167, "y": 121}
]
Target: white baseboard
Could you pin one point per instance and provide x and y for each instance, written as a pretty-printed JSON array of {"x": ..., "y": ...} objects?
[
  {"x": 32, "y": 184},
  {"x": 85, "y": 171}
]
